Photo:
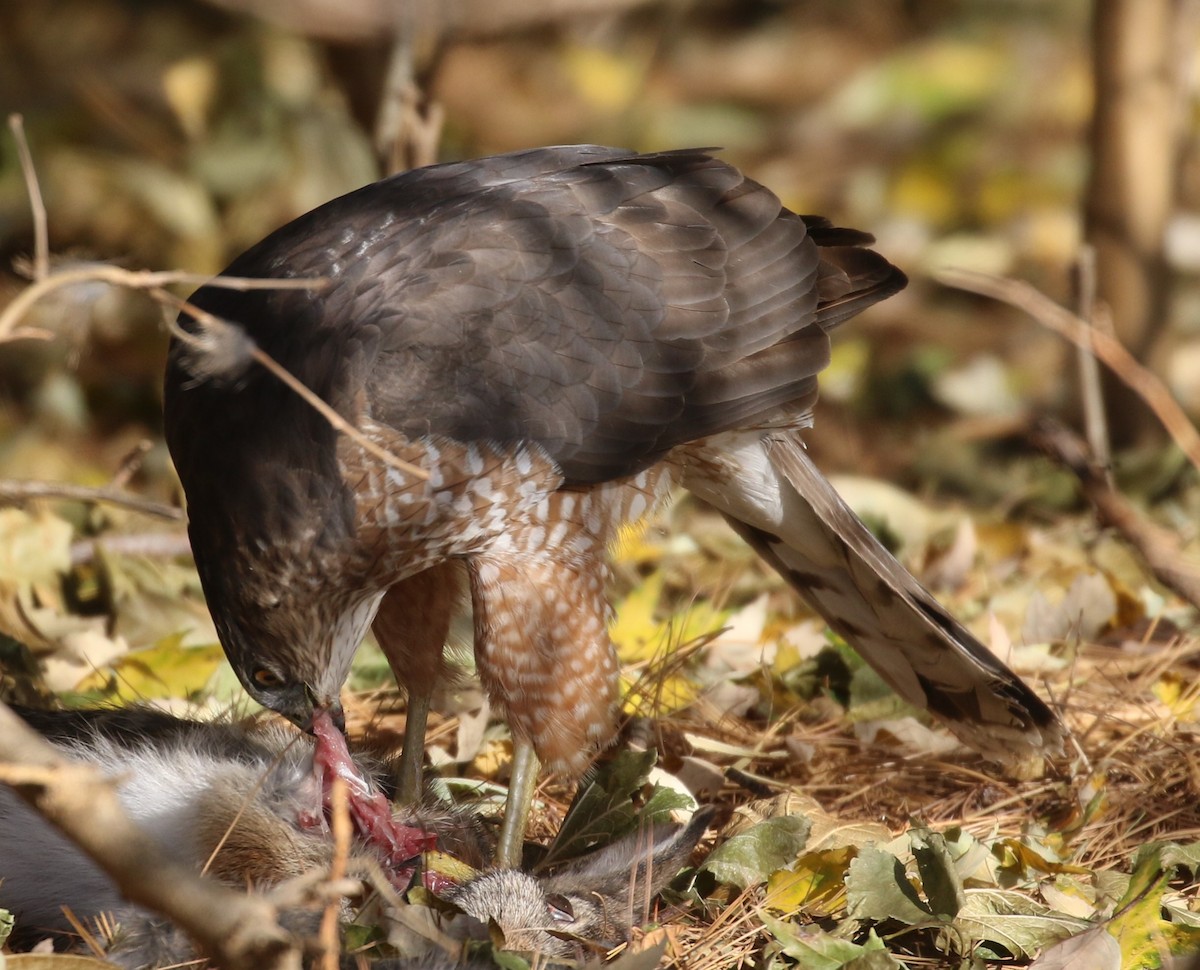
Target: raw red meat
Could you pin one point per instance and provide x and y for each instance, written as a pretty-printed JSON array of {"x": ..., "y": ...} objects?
[{"x": 370, "y": 812}]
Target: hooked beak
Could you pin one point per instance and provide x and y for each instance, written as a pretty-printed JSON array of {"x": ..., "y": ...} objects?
[{"x": 303, "y": 718}]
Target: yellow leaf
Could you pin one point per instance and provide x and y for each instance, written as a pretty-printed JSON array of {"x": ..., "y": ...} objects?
[
  {"x": 816, "y": 885},
  {"x": 604, "y": 79},
  {"x": 492, "y": 756},
  {"x": 164, "y": 670},
  {"x": 634, "y": 628},
  {"x": 658, "y": 696},
  {"x": 1139, "y": 925},
  {"x": 1011, "y": 852},
  {"x": 190, "y": 86},
  {"x": 640, "y": 636},
  {"x": 1177, "y": 694}
]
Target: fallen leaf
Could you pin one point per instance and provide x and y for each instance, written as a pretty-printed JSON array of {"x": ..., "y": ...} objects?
[
  {"x": 878, "y": 889},
  {"x": 164, "y": 670},
  {"x": 749, "y": 858},
  {"x": 1093, "y": 949},
  {"x": 1083, "y": 612},
  {"x": 816, "y": 886},
  {"x": 814, "y": 949},
  {"x": 1005, "y": 924}
]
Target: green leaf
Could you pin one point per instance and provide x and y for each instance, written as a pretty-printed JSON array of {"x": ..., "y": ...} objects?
[
  {"x": 814, "y": 949},
  {"x": 6, "y": 925},
  {"x": 1174, "y": 855},
  {"x": 878, "y": 889},
  {"x": 662, "y": 804},
  {"x": 939, "y": 877},
  {"x": 609, "y": 806},
  {"x": 508, "y": 960},
  {"x": 750, "y": 857},
  {"x": 1004, "y": 924}
]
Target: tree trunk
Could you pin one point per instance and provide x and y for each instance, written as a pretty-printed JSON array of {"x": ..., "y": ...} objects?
[{"x": 1132, "y": 186}]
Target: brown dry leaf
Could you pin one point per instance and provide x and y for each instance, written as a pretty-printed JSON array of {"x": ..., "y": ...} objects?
[
  {"x": 152, "y": 599},
  {"x": 907, "y": 733},
  {"x": 80, "y": 654},
  {"x": 1094, "y": 949},
  {"x": 35, "y": 552},
  {"x": 1085, "y": 609}
]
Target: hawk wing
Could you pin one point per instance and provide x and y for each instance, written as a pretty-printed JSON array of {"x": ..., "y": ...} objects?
[{"x": 606, "y": 305}]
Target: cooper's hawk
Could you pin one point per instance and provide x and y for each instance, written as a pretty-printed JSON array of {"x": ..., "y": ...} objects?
[{"x": 555, "y": 337}]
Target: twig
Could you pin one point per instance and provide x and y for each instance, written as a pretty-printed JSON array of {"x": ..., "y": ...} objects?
[
  {"x": 134, "y": 279},
  {"x": 1049, "y": 314},
  {"x": 131, "y": 463},
  {"x": 37, "y": 205},
  {"x": 340, "y": 823},
  {"x": 153, "y": 283},
  {"x": 1094, "y": 419},
  {"x": 313, "y": 400},
  {"x": 152, "y": 545},
  {"x": 1159, "y": 547},
  {"x": 238, "y": 931},
  {"x": 13, "y": 492}
]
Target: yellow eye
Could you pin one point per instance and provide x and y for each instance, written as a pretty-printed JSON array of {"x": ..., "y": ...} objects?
[{"x": 265, "y": 677}]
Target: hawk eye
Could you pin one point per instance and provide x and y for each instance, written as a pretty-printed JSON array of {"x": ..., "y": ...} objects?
[{"x": 265, "y": 677}]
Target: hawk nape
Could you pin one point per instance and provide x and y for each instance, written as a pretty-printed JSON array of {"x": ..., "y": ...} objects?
[{"x": 556, "y": 337}]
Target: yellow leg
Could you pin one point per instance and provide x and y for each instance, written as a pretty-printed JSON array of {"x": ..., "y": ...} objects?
[
  {"x": 412, "y": 758},
  {"x": 411, "y": 627},
  {"x": 521, "y": 787}
]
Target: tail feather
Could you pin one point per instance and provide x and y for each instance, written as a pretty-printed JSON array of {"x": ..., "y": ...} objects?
[{"x": 781, "y": 504}]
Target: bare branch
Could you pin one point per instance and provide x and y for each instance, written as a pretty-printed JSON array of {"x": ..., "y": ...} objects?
[
  {"x": 37, "y": 205},
  {"x": 134, "y": 279},
  {"x": 1049, "y": 314},
  {"x": 13, "y": 492},
  {"x": 1159, "y": 547},
  {"x": 1094, "y": 418},
  {"x": 239, "y": 931},
  {"x": 409, "y": 126},
  {"x": 216, "y": 325},
  {"x": 153, "y": 545}
]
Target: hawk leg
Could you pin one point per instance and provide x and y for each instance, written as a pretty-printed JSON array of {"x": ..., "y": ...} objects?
[
  {"x": 411, "y": 627},
  {"x": 546, "y": 660}
]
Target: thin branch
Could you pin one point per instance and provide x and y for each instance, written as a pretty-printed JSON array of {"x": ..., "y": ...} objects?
[
  {"x": 342, "y": 832},
  {"x": 314, "y": 401},
  {"x": 131, "y": 463},
  {"x": 152, "y": 545},
  {"x": 409, "y": 125},
  {"x": 37, "y": 205},
  {"x": 238, "y": 931},
  {"x": 134, "y": 279},
  {"x": 1158, "y": 547},
  {"x": 1049, "y": 314},
  {"x": 13, "y": 492},
  {"x": 1094, "y": 419}
]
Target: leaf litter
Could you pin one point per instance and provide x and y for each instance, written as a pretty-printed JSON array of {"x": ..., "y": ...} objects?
[{"x": 858, "y": 833}]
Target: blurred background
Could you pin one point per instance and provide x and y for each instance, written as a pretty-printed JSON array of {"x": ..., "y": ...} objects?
[{"x": 962, "y": 133}]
